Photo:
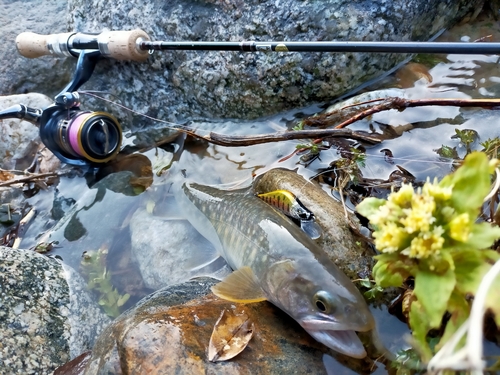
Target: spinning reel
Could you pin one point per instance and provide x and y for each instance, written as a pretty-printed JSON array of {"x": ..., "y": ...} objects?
[{"x": 76, "y": 136}]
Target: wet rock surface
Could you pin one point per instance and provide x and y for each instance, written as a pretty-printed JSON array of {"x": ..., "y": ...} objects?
[
  {"x": 169, "y": 331},
  {"x": 337, "y": 240},
  {"x": 179, "y": 84},
  {"x": 46, "y": 313}
]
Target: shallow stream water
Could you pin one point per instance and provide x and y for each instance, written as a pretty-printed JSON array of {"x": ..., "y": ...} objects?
[{"x": 98, "y": 218}]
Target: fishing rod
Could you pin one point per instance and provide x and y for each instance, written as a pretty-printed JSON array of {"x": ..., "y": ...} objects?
[
  {"x": 136, "y": 45},
  {"x": 87, "y": 138}
]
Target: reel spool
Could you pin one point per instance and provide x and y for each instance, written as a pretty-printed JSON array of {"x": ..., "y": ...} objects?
[{"x": 80, "y": 137}]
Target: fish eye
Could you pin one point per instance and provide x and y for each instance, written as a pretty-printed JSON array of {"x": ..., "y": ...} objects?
[{"x": 323, "y": 301}]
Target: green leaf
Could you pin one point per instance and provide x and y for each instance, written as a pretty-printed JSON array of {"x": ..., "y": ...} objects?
[
  {"x": 392, "y": 269},
  {"x": 471, "y": 183},
  {"x": 385, "y": 277},
  {"x": 121, "y": 301},
  {"x": 369, "y": 206},
  {"x": 365, "y": 283},
  {"x": 483, "y": 235},
  {"x": 433, "y": 292},
  {"x": 470, "y": 267},
  {"x": 420, "y": 326}
]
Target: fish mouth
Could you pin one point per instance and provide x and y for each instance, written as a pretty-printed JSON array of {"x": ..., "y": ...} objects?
[{"x": 336, "y": 337}]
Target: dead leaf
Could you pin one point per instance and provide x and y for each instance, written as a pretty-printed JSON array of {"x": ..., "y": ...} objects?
[
  {"x": 5, "y": 176},
  {"x": 231, "y": 335}
]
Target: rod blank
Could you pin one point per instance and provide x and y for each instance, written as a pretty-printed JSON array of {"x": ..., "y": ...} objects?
[{"x": 381, "y": 47}]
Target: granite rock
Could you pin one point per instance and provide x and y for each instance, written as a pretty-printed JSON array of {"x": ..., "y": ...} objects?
[
  {"x": 175, "y": 86},
  {"x": 46, "y": 313}
]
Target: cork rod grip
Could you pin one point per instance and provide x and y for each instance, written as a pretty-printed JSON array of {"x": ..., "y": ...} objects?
[
  {"x": 32, "y": 45},
  {"x": 123, "y": 45}
]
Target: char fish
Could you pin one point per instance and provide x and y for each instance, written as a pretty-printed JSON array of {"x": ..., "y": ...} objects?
[{"x": 274, "y": 260}]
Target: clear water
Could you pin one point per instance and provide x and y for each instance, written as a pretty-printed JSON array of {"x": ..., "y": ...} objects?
[{"x": 412, "y": 136}]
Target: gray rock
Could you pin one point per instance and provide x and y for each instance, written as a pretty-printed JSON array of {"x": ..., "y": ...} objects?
[
  {"x": 46, "y": 313},
  {"x": 178, "y": 85},
  {"x": 20, "y": 75},
  {"x": 17, "y": 137},
  {"x": 165, "y": 250}
]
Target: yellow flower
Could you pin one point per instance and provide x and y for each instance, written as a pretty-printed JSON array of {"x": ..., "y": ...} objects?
[
  {"x": 386, "y": 213},
  {"x": 420, "y": 216},
  {"x": 389, "y": 238},
  {"x": 460, "y": 227},
  {"x": 437, "y": 192},
  {"x": 426, "y": 244},
  {"x": 403, "y": 196}
]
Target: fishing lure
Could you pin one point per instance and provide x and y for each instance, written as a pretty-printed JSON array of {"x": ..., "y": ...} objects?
[{"x": 291, "y": 206}]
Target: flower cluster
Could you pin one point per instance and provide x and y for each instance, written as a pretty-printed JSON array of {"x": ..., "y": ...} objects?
[
  {"x": 431, "y": 235},
  {"x": 417, "y": 223}
]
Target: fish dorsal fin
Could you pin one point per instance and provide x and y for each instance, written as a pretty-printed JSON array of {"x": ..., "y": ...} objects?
[{"x": 240, "y": 286}]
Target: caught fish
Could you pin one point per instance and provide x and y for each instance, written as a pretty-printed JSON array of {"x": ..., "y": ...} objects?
[
  {"x": 290, "y": 205},
  {"x": 274, "y": 260}
]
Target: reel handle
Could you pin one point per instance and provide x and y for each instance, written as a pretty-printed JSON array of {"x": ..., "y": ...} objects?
[{"x": 120, "y": 45}]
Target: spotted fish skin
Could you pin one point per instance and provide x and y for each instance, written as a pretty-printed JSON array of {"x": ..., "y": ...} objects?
[{"x": 289, "y": 268}]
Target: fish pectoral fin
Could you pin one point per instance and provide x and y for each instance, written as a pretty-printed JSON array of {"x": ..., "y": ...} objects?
[{"x": 240, "y": 286}]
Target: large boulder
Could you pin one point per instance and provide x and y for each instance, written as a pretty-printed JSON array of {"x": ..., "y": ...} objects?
[
  {"x": 19, "y": 75},
  {"x": 179, "y": 85},
  {"x": 46, "y": 313},
  {"x": 176, "y": 85}
]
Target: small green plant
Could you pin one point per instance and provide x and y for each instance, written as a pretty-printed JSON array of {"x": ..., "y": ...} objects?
[
  {"x": 447, "y": 152},
  {"x": 98, "y": 278},
  {"x": 491, "y": 146},
  {"x": 313, "y": 148},
  {"x": 431, "y": 235},
  {"x": 466, "y": 136},
  {"x": 373, "y": 290},
  {"x": 299, "y": 126}
]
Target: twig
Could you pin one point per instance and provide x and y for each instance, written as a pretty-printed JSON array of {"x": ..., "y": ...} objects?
[
  {"x": 238, "y": 140},
  {"x": 31, "y": 178},
  {"x": 400, "y": 104},
  {"x": 390, "y": 103},
  {"x": 21, "y": 227}
]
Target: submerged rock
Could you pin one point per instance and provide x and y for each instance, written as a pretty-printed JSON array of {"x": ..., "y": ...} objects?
[
  {"x": 169, "y": 331},
  {"x": 165, "y": 250},
  {"x": 46, "y": 313},
  {"x": 337, "y": 240}
]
